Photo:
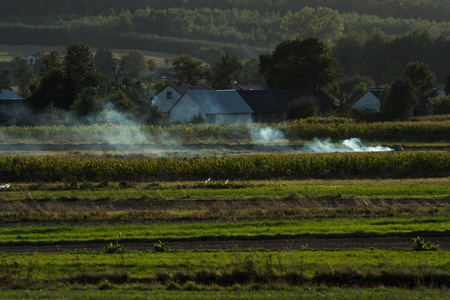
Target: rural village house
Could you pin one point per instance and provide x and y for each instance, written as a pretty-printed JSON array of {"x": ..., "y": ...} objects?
[
  {"x": 218, "y": 107},
  {"x": 31, "y": 59},
  {"x": 168, "y": 96},
  {"x": 371, "y": 101}
]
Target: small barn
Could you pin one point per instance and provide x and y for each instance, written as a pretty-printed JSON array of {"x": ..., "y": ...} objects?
[{"x": 217, "y": 106}]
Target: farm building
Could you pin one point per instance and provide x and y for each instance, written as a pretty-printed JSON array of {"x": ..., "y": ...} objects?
[
  {"x": 168, "y": 96},
  {"x": 218, "y": 107},
  {"x": 269, "y": 106}
]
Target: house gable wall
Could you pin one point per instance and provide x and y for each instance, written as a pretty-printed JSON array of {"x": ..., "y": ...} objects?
[
  {"x": 184, "y": 109},
  {"x": 162, "y": 95},
  {"x": 368, "y": 101}
]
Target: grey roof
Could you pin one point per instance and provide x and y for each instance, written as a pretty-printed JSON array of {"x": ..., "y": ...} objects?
[
  {"x": 276, "y": 101},
  {"x": 166, "y": 105},
  {"x": 9, "y": 95},
  {"x": 219, "y": 102}
]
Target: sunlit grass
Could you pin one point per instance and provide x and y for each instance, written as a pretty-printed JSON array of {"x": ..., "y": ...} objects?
[{"x": 208, "y": 230}]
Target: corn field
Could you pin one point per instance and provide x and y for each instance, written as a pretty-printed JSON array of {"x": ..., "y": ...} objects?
[
  {"x": 270, "y": 166},
  {"x": 424, "y": 129}
]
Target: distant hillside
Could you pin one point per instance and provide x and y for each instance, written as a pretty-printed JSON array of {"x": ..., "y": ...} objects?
[
  {"x": 425, "y": 9},
  {"x": 247, "y": 28}
]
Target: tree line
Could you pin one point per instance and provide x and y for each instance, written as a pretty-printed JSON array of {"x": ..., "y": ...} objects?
[
  {"x": 75, "y": 86},
  {"x": 424, "y": 9}
]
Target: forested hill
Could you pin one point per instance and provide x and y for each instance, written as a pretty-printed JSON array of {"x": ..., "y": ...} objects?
[
  {"x": 425, "y": 9},
  {"x": 378, "y": 38}
]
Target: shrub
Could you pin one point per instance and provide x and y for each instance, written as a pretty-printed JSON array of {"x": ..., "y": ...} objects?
[
  {"x": 161, "y": 247},
  {"x": 111, "y": 248},
  {"x": 420, "y": 245},
  {"x": 441, "y": 106},
  {"x": 302, "y": 108}
]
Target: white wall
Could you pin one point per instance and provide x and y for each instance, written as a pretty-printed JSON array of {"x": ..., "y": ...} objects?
[
  {"x": 367, "y": 101},
  {"x": 184, "y": 109},
  {"x": 163, "y": 94}
]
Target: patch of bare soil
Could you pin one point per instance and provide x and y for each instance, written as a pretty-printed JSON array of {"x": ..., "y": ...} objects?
[{"x": 282, "y": 244}]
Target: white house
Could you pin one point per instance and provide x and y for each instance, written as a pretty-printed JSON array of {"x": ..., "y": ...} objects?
[
  {"x": 369, "y": 101},
  {"x": 31, "y": 59},
  {"x": 218, "y": 107},
  {"x": 168, "y": 96}
]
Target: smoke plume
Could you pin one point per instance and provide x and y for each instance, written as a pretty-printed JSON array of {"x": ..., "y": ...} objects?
[{"x": 349, "y": 145}]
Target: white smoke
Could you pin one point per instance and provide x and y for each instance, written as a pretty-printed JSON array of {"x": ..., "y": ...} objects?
[
  {"x": 266, "y": 134},
  {"x": 349, "y": 145}
]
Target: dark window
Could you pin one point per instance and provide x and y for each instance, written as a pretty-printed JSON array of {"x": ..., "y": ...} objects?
[{"x": 169, "y": 95}]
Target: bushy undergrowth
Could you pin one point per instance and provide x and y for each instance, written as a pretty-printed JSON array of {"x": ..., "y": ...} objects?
[{"x": 297, "y": 166}]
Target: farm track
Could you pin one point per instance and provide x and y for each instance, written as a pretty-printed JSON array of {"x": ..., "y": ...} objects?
[
  {"x": 143, "y": 204},
  {"x": 235, "y": 244}
]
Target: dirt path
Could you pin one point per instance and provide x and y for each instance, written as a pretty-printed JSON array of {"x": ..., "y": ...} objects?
[{"x": 284, "y": 244}]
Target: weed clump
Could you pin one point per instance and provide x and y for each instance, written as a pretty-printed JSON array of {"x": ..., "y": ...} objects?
[
  {"x": 161, "y": 247},
  {"x": 420, "y": 245}
]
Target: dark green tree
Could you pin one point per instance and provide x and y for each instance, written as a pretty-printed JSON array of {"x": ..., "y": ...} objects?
[
  {"x": 302, "y": 108},
  {"x": 422, "y": 78},
  {"x": 134, "y": 65},
  {"x": 50, "y": 61},
  {"x": 5, "y": 80},
  {"x": 79, "y": 72},
  {"x": 121, "y": 101},
  {"x": 19, "y": 61},
  {"x": 188, "y": 69},
  {"x": 50, "y": 89},
  {"x": 87, "y": 104},
  {"x": 250, "y": 74},
  {"x": 104, "y": 59},
  {"x": 300, "y": 64},
  {"x": 441, "y": 106},
  {"x": 23, "y": 76},
  {"x": 151, "y": 64},
  {"x": 225, "y": 72},
  {"x": 447, "y": 86},
  {"x": 399, "y": 100}
]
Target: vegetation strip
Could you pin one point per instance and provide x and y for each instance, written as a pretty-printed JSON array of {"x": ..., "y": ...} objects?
[
  {"x": 346, "y": 165},
  {"x": 362, "y": 227},
  {"x": 364, "y": 268}
]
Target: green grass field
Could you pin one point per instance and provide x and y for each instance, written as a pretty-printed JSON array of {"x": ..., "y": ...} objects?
[{"x": 86, "y": 226}]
